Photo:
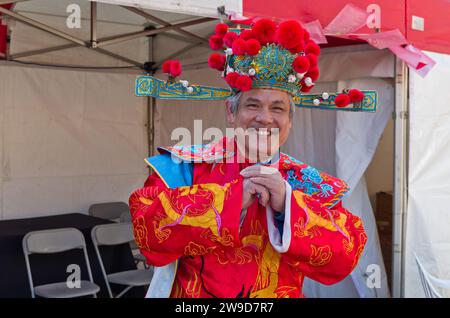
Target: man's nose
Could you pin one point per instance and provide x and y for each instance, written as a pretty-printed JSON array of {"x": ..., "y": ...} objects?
[{"x": 264, "y": 117}]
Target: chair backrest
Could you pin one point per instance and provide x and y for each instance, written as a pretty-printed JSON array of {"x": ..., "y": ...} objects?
[
  {"x": 108, "y": 210},
  {"x": 112, "y": 234},
  {"x": 125, "y": 217},
  {"x": 429, "y": 281},
  {"x": 53, "y": 241}
]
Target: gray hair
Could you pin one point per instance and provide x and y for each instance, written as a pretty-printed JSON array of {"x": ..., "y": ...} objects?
[{"x": 236, "y": 98}]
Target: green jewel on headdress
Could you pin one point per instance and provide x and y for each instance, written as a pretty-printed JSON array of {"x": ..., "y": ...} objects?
[{"x": 271, "y": 68}]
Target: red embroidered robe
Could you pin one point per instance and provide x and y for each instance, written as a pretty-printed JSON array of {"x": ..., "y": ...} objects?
[{"x": 221, "y": 255}]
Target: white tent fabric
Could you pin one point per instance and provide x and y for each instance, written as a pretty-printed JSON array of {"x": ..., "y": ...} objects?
[
  {"x": 343, "y": 144},
  {"x": 25, "y": 38},
  {"x": 73, "y": 137},
  {"x": 194, "y": 7},
  {"x": 427, "y": 217},
  {"x": 356, "y": 142},
  {"x": 70, "y": 138},
  {"x": 354, "y": 138},
  {"x": 111, "y": 20}
]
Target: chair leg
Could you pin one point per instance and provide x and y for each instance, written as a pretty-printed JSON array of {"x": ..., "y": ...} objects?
[{"x": 124, "y": 291}]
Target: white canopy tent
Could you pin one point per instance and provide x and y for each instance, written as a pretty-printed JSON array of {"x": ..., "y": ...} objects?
[{"x": 76, "y": 136}]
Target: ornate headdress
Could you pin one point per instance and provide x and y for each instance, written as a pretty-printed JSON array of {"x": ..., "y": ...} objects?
[{"x": 281, "y": 57}]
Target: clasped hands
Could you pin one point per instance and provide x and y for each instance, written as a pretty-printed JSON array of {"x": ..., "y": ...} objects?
[{"x": 265, "y": 184}]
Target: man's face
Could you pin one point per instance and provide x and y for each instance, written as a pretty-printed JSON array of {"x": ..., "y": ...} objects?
[{"x": 263, "y": 114}]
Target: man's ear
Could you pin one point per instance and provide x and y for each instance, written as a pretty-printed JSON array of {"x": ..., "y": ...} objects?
[{"x": 230, "y": 115}]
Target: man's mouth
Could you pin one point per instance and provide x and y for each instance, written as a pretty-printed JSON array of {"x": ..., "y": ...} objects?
[{"x": 263, "y": 132}]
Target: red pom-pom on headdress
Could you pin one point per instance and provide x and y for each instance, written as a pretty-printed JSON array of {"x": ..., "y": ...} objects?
[
  {"x": 243, "y": 83},
  {"x": 301, "y": 64},
  {"x": 313, "y": 73},
  {"x": 239, "y": 47},
  {"x": 252, "y": 46},
  {"x": 231, "y": 78},
  {"x": 299, "y": 48},
  {"x": 355, "y": 95},
  {"x": 289, "y": 34},
  {"x": 264, "y": 31},
  {"x": 306, "y": 89},
  {"x": 306, "y": 35},
  {"x": 175, "y": 68},
  {"x": 312, "y": 59},
  {"x": 247, "y": 34},
  {"x": 221, "y": 29},
  {"x": 166, "y": 66},
  {"x": 229, "y": 38},
  {"x": 312, "y": 48},
  {"x": 215, "y": 42},
  {"x": 342, "y": 100},
  {"x": 217, "y": 61}
]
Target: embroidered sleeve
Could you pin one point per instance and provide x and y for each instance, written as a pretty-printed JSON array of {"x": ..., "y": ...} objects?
[
  {"x": 189, "y": 220},
  {"x": 324, "y": 243}
]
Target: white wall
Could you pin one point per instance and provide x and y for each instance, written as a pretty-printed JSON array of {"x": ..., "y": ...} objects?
[{"x": 69, "y": 139}]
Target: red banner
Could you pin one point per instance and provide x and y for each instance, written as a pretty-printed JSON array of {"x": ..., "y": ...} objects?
[
  {"x": 390, "y": 14},
  {"x": 4, "y": 33},
  {"x": 433, "y": 16},
  {"x": 423, "y": 23}
]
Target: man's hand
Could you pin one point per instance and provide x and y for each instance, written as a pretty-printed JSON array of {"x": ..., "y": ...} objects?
[
  {"x": 250, "y": 191},
  {"x": 270, "y": 179}
]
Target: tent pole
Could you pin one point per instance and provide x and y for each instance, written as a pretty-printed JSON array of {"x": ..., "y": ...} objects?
[
  {"x": 165, "y": 23},
  {"x": 135, "y": 35},
  {"x": 10, "y": 1},
  {"x": 119, "y": 57},
  {"x": 41, "y": 26},
  {"x": 182, "y": 38},
  {"x": 93, "y": 43},
  {"x": 93, "y": 24},
  {"x": 151, "y": 104},
  {"x": 94, "y": 39},
  {"x": 401, "y": 151},
  {"x": 177, "y": 54},
  {"x": 8, "y": 41},
  {"x": 72, "y": 45},
  {"x": 41, "y": 51}
]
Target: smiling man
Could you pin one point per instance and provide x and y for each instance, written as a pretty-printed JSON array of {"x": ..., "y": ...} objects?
[
  {"x": 262, "y": 119},
  {"x": 261, "y": 123},
  {"x": 239, "y": 218}
]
